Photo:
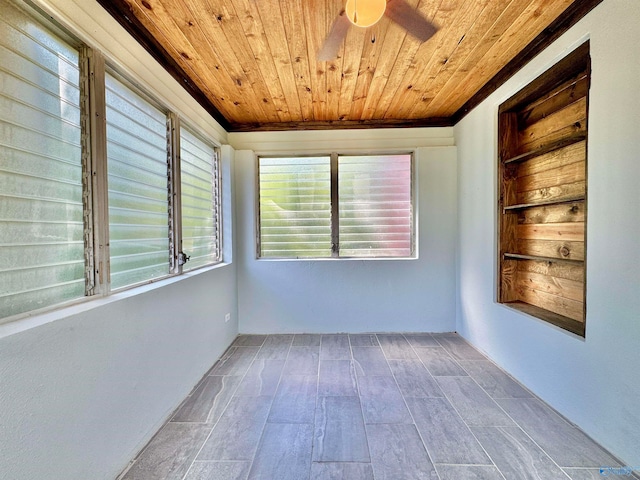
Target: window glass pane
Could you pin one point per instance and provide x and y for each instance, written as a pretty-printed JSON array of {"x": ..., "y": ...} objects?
[
  {"x": 295, "y": 207},
  {"x": 41, "y": 219},
  {"x": 199, "y": 179},
  {"x": 375, "y": 206},
  {"x": 138, "y": 192}
]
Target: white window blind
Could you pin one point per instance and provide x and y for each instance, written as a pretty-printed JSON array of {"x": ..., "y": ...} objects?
[
  {"x": 200, "y": 200},
  {"x": 41, "y": 217},
  {"x": 295, "y": 207},
  {"x": 362, "y": 206},
  {"x": 138, "y": 188},
  {"x": 63, "y": 201},
  {"x": 376, "y": 213}
]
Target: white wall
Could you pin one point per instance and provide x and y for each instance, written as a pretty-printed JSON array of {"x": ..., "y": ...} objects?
[
  {"x": 82, "y": 389},
  {"x": 352, "y": 295},
  {"x": 81, "y": 395},
  {"x": 595, "y": 381}
]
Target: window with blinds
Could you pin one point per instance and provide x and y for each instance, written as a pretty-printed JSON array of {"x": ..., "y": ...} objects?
[
  {"x": 200, "y": 203},
  {"x": 96, "y": 177},
  {"x": 336, "y": 206},
  {"x": 138, "y": 187},
  {"x": 295, "y": 207},
  {"x": 41, "y": 208},
  {"x": 376, "y": 212}
]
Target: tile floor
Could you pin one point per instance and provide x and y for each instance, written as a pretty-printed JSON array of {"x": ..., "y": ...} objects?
[{"x": 364, "y": 407}]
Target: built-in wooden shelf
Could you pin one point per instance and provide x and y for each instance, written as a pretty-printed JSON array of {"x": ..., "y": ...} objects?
[
  {"x": 521, "y": 206},
  {"x": 548, "y": 148},
  {"x": 542, "y": 195},
  {"x": 537, "y": 258}
]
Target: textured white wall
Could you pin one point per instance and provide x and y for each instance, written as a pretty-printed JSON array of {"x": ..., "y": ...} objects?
[
  {"x": 82, "y": 389},
  {"x": 595, "y": 381},
  {"x": 353, "y": 295}
]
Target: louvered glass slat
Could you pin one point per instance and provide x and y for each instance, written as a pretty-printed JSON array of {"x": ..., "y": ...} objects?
[
  {"x": 375, "y": 206},
  {"x": 295, "y": 207},
  {"x": 200, "y": 196},
  {"x": 138, "y": 193},
  {"x": 41, "y": 229}
]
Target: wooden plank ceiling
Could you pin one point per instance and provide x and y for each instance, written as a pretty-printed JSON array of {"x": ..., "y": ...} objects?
[{"x": 252, "y": 63}]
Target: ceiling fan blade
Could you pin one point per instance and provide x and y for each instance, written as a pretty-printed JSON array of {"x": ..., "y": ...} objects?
[
  {"x": 334, "y": 40},
  {"x": 410, "y": 19}
]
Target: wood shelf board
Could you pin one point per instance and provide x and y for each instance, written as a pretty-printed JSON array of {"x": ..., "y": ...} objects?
[
  {"x": 558, "y": 320},
  {"x": 518, "y": 256},
  {"x": 520, "y": 206},
  {"x": 550, "y": 147}
]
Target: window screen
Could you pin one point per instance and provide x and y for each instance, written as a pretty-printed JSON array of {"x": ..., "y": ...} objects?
[
  {"x": 295, "y": 207},
  {"x": 41, "y": 219},
  {"x": 376, "y": 214},
  {"x": 200, "y": 200},
  {"x": 138, "y": 192}
]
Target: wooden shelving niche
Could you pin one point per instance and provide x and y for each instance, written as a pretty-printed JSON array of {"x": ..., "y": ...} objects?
[{"x": 542, "y": 207}]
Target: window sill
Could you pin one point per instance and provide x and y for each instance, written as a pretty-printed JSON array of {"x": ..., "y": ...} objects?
[
  {"x": 340, "y": 259},
  {"x": 567, "y": 324}
]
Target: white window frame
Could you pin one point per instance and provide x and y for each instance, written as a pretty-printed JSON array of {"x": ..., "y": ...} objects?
[
  {"x": 335, "y": 224},
  {"x": 180, "y": 257}
]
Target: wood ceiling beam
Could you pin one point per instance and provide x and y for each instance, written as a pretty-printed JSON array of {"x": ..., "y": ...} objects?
[{"x": 343, "y": 124}]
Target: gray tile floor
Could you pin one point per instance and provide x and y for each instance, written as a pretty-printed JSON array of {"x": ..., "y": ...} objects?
[{"x": 364, "y": 407}]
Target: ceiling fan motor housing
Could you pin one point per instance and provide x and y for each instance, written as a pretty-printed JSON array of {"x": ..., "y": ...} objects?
[{"x": 364, "y": 13}]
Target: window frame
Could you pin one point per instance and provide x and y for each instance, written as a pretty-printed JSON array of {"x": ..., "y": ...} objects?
[
  {"x": 216, "y": 187},
  {"x": 93, "y": 67},
  {"x": 335, "y": 216},
  {"x": 172, "y": 164},
  {"x": 50, "y": 28}
]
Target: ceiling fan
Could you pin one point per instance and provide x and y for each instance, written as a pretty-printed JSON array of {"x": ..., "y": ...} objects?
[{"x": 364, "y": 13}]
